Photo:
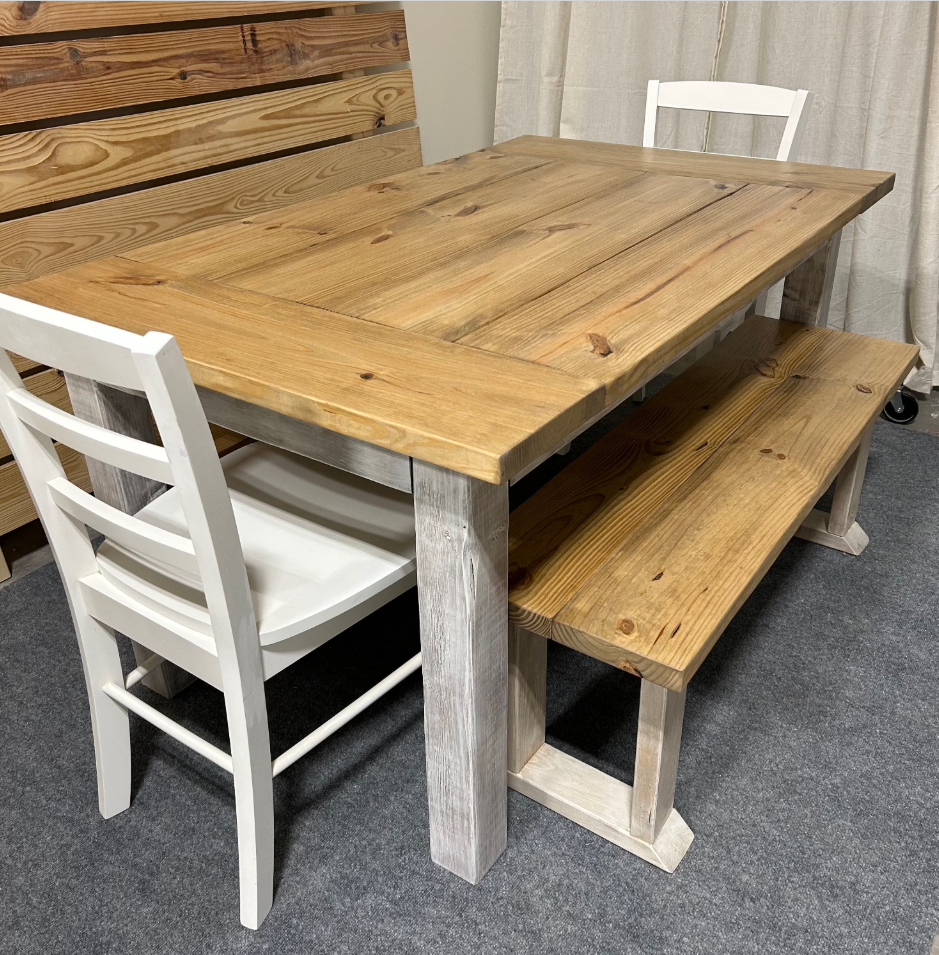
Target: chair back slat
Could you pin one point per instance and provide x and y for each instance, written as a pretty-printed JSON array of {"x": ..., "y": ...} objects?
[
  {"x": 58, "y": 339},
  {"x": 118, "y": 450},
  {"x": 130, "y": 532},
  {"x": 65, "y": 77},
  {"x": 720, "y": 97}
]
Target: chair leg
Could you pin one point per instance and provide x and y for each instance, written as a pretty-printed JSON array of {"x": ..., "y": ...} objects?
[
  {"x": 528, "y": 658},
  {"x": 110, "y": 723},
  {"x": 657, "y": 747},
  {"x": 254, "y": 800},
  {"x": 839, "y": 529}
]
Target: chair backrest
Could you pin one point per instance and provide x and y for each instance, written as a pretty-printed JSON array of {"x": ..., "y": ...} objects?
[
  {"x": 748, "y": 98},
  {"x": 125, "y": 123},
  {"x": 154, "y": 365}
]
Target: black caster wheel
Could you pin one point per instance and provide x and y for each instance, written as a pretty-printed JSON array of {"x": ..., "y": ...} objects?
[{"x": 902, "y": 408}]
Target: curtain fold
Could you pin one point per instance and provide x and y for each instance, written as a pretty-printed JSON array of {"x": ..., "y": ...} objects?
[{"x": 580, "y": 70}]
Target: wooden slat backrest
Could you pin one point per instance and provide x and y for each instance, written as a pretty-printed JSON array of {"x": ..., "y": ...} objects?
[{"x": 124, "y": 123}]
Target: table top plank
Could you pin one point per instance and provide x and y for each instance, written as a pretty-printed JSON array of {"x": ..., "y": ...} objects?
[
  {"x": 450, "y": 299},
  {"x": 474, "y": 313},
  {"x": 870, "y": 183},
  {"x": 623, "y": 320},
  {"x": 218, "y": 251},
  {"x": 438, "y": 401},
  {"x": 329, "y": 273}
]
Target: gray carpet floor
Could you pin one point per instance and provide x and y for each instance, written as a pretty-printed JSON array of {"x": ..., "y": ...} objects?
[{"x": 809, "y": 776}]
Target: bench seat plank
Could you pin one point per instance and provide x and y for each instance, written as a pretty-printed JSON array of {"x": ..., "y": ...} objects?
[{"x": 642, "y": 550}]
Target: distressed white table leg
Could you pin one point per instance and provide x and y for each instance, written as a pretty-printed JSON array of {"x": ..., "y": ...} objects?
[
  {"x": 130, "y": 415},
  {"x": 462, "y": 578},
  {"x": 839, "y": 529},
  {"x": 807, "y": 289},
  {"x": 657, "y": 746},
  {"x": 528, "y": 664}
]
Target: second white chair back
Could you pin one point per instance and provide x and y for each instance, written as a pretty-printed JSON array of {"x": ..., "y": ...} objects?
[{"x": 718, "y": 97}]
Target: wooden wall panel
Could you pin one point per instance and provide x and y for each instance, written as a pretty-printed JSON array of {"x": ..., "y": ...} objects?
[
  {"x": 23, "y": 17},
  {"x": 57, "y": 240},
  {"x": 43, "y": 80},
  {"x": 63, "y": 162}
]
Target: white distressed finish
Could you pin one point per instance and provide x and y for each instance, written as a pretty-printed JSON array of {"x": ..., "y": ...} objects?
[
  {"x": 657, "y": 746},
  {"x": 462, "y": 553},
  {"x": 528, "y": 663},
  {"x": 310, "y": 440},
  {"x": 600, "y": 803},
  {"x": 718, "y": 97},
  {"x": 808, "y": 287},
  {"x": 748, "y": 98},
  {"x": 275, "y": 550}
]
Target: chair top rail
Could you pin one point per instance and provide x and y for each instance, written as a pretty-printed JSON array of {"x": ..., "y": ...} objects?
[
  {"x": 129, "y": 454},
  {"x": 61, "y": 340},
  {"x": 720, "y": 97},
  {"x": 131, "y": 532}
]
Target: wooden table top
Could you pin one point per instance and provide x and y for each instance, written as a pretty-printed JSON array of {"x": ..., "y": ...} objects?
[{"x": 473, "y": 313}]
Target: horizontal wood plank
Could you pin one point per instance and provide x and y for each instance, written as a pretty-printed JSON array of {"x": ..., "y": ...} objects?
[
  {"x": 630, "y": 316},
  {"x": 21, "y": 18},
  {"x": 64, "y": 77},
  {"x": 56, "y": 240},
  {"x": 16, "y": 506},
  {"x": 434, "y": 400},
  {"x": 871, "y": 184},
  {"x": 641, "y": 552},
  {"x": 63, "y": 162}
]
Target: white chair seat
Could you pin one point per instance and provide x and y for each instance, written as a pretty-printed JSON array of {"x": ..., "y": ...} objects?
[{"x": 317, "y": 542}]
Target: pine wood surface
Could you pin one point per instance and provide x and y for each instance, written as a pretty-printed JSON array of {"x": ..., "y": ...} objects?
[
  {"x": 22, "y": 18},
  {"x": 468, "y": 312},
  {"x": 62, "y": 77},
  {"x": 642, "y": 550},
  {"x": 61, "y": 162}
]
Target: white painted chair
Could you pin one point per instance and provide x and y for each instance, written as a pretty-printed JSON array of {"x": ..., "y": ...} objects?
[
  {"x": 747, "y": 98},
  {"x": 240, "y": 569}
]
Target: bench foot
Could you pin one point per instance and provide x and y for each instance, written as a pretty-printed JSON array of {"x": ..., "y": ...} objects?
[
  {"x": 598, "y": 802},
  {"x": 815, "y": 528}
]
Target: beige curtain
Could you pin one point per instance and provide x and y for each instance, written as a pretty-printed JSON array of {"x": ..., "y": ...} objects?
[{"x": 580, "y": 70}]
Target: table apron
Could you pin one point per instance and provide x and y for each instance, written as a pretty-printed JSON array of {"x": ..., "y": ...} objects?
[{"x": 310, "y": 440}]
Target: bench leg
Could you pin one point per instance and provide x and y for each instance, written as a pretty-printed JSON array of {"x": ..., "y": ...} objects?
[
  {"x": 657, "y": 745},
  {"x": 579, "y": 792},
  {"x": 528, "y": 660},
  {"x": 839, "y": 529}
]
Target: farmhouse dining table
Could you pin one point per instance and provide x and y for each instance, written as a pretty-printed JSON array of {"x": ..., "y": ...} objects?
[{"x": 446, "y": 329}]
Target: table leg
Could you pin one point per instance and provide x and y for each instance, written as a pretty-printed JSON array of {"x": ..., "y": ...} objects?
[
  {"x": 462, "y": 577},
  {"x": 130, "y": 415},
  {"x": 807, "y": 290}
]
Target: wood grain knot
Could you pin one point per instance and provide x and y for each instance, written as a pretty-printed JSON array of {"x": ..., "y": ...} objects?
[
  {"x": 599, "y": 345},
  {"x": 720, "y": 185},
  {"x": 659, "y": 575},
  {"x": 701, "y": 447},
  {"x": 519, "y": 577},
  {"x": 626, "y": 626},
  {"x": 367, "y": 375},
  {"x": 781, "y": 457},
  {"x": 628, "y": 668},
  {"x": 384, "y": 237},
  {"x": 766, "y": 450},
  {"x": 800, "y": 377},
  {"x": 766, "y": 367},
  {"x": 380, "y": 187},
  {"x": 74, "y": 55},
  {"x": 379, "y": 122},
  {"x": 565, "y": 226},
  {"x": 468, "y": 210},
  {"x": 863, "y": 389},
  {"x": 28, "y": 9}
]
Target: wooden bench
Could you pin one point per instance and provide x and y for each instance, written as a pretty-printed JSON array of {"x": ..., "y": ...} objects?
[
  {"x": 122, "y": 124},
  {"x": 642, "y": 550}
]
